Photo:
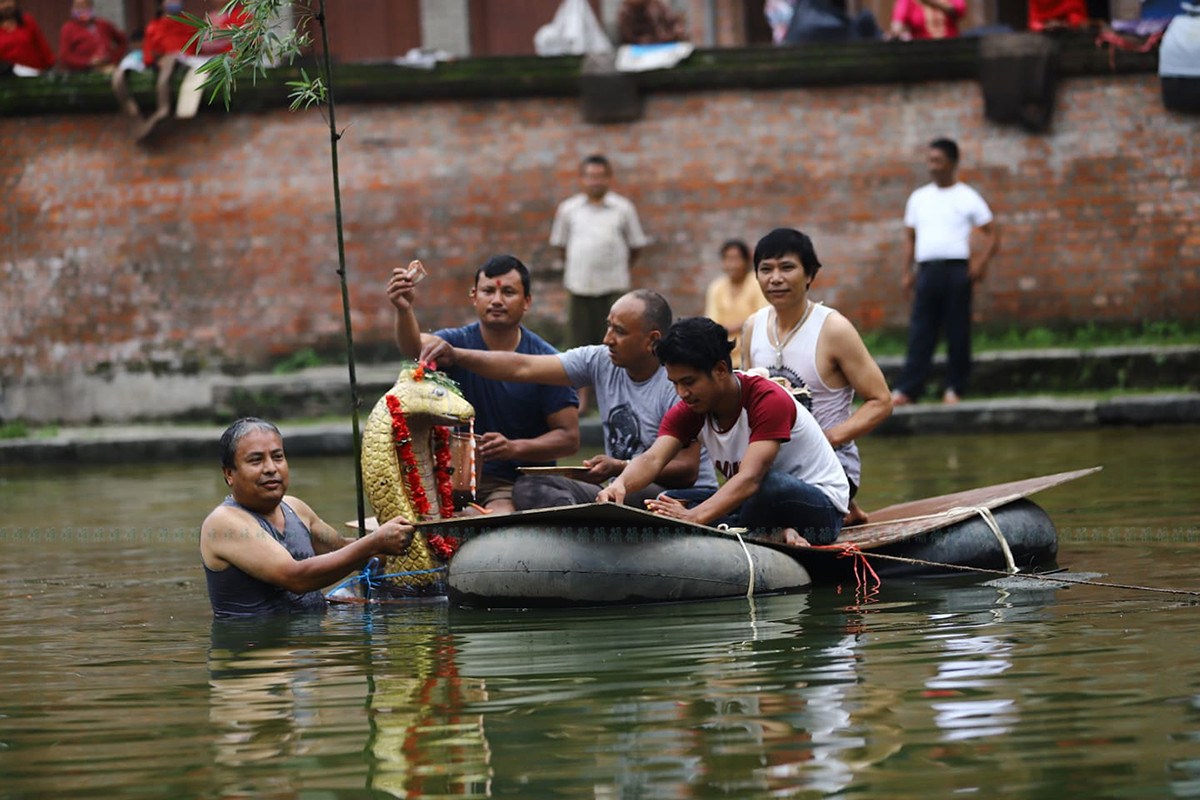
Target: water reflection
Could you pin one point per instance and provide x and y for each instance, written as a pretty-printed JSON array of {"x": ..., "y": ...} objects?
[
  {"x": 426, "y": 737},
  {"x": 679, "y": 701},
  {"x": 276, "y": 692},
  {"x": 118, "y": 685},
  {"x": 258, "y": 682}
]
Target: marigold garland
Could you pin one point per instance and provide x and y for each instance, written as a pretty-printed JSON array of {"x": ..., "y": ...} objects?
[
  {"x": 442, "y": 546},
  {"x": 408, "y": 461},
  {"x": 442, "y": 470}
]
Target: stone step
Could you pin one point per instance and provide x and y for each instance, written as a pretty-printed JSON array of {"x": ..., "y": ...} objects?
[
  {"x": 114, "y": 444},
  {"x": 322, "y": 391},
  {"x": 1007, "y": 372}
]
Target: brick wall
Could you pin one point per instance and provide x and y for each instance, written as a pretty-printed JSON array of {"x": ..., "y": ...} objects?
[{"x": 216, "y": 246}]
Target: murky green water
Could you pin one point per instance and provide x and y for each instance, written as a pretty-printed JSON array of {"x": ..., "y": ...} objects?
[{"x": 117, "y": 683}]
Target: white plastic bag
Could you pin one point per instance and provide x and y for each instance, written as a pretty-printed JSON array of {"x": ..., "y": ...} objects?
[{"x": 573, "y": 31}]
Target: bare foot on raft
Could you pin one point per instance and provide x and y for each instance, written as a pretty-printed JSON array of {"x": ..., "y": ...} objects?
[
  {"x": 855, "y": 516},
  {"x": 792, "y": 536}
]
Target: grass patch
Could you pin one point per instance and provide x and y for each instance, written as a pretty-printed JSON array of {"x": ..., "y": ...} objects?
[
  {"x": 1084, "y": 337},
  {"x": 301, "y": 360},
  {"x": 14, "y": 430},
  {"x": 21, "y": 430}
]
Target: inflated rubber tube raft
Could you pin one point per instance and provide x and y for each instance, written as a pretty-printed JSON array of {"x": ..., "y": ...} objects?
[
  {"x": 604, "y": 554},
  {"x": 993, "y": 528},
  {"x": 1028, "y": 532},
  {"x": 608, "y": 555}
]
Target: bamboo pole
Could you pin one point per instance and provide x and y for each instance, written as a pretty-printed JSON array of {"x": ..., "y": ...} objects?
[{"x": 334, "y": 136}]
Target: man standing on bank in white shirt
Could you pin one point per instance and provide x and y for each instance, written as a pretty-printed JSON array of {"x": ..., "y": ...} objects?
[
  {"x": 939, "y": 219},
  {"x": 598, "y": 233}
]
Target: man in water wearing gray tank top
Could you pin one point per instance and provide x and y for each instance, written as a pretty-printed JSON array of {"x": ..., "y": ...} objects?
[
  {"x": 814, "y": 346},
  {"x": 265, "y": 552}
]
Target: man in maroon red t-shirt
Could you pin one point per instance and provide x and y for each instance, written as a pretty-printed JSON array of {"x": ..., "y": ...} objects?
[{"x": 782, "y": 476}]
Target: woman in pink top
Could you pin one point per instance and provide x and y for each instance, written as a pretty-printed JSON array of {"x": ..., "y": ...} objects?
[{"x": 926, "y": 19}]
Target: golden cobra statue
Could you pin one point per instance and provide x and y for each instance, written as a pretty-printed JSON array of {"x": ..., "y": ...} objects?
[{"x": 423, "y": 398}]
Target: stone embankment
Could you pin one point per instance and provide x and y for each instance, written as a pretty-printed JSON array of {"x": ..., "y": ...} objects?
[{"x": 149, "y": 427}]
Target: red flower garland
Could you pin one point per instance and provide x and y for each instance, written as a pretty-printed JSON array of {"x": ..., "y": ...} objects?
[
  {"x": 442, "y": 546},
  {"x": 408, "y": 465},
  {"x": 442, "y": 470}
]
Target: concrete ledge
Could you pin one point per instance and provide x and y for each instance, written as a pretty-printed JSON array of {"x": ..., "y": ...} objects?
[
  {"x": 127, "y": 397},
  {"x": 113, "y": 445},
  {"x": 310, "y": 393},
  {"x": 816, "y": 64},
  {"x": 1149, "y": 410},
  {"x": 110, "y": 445},
  {"x": 1069, "y": 369},
  {"x": 1038, "y": 414}
]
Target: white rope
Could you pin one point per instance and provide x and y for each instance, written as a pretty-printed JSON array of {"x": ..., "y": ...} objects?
[
  {"x": 986, "y": 514},
  {"x": 749, "y": 559}
]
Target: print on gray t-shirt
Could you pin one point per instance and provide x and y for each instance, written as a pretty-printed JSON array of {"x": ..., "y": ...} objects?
[{"x": 631, "y": 411}]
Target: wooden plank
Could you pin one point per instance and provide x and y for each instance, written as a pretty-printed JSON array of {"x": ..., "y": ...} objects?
[
  {"x": 905, "y": 520},
  {"x": 887, "y": 526}
]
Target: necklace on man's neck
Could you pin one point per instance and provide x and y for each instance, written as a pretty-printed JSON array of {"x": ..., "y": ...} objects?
[{"x": 773, "y": 332}]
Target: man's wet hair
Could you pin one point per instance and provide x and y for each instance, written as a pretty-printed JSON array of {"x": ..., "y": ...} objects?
[
  {"x": 236, "y": 432},
  {"x": 736, "y": 244},
  {"x": 788, "y": 241},
  {"x": 656, "y": 311},
  {"x": 947, "y": 146},
  {"x": 598, "y": 159},
  {"x": 496, "y": 266},
  {"x": 695, "y": 342}
]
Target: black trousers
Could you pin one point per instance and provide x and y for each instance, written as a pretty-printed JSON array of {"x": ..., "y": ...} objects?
[{"x": 942, "y": 303}]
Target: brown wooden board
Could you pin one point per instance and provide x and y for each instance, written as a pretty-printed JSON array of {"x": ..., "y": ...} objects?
[
  {"x": 577, "y": 472},
  {"x": 906, "y": 520},
  {"x": 887, "y": 525},
  {"x": 567, "y": 518}
]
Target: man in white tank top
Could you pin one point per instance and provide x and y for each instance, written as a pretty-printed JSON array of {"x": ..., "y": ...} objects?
[{"x": 814, "y": 347}]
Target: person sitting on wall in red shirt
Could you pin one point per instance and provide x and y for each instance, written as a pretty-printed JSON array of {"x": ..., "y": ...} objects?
[
  {"x": 88, "y": 43},
  {"x": 926, "y": 19},
  {"x": 162, "y": 45},
  {"x": 783, "y": 480},
  {"x": 21, "y": 41},
  {"x": 1050, "y": 14},
  {"x": 236, "y": 17}
]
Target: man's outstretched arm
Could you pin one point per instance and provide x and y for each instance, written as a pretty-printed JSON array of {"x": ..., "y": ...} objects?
[
  {"x": 232, "y": 538},
  {"x": 498, "y": 365},
  {"x": 641, "y": 471}
]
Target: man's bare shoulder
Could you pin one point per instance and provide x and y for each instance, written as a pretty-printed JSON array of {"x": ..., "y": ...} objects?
[
  {"x": 225, "y": 520},
  {"x": 840, "y": 329},
  {"x": 296, "y": 503},
  {"x": 303, "y": 510}
]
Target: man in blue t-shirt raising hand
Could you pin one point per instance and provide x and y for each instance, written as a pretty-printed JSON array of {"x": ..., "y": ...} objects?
[
  {"x": 521, "y": 424},
  {"x": 632, "y": 393}
]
